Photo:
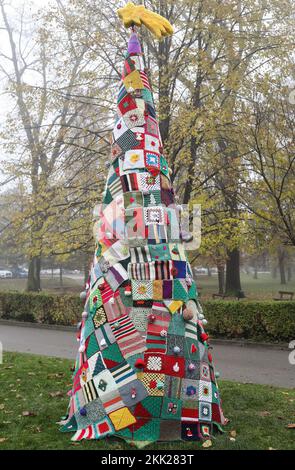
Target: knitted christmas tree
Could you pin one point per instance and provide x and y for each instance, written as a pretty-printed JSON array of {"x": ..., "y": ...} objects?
[{"x": 143, "y": 371}]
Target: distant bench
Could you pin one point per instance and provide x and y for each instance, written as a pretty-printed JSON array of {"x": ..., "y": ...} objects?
[
  {"x": 285, "y": 295},
  {"x": 240, "y": 295}
]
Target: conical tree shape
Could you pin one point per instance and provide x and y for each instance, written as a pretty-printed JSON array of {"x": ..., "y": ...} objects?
[{"x": 143, "y": 370}]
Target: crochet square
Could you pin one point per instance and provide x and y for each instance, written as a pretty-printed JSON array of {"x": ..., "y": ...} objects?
[
  {"x": 205, "y": 372},
  {"x": 148, "y": 182},
  {"x": 160, "y": 252},
  {"x": 139, "y": 317},
  {"x": 133, "y": 199},
  {"x": 171, "y": 408},
  {"x": 122, "y": 418},
  {"x": 154, "y": 363},
  {"x": 189, "y": 432},
  {"x": 127, "y": 141},
  {"x": 151, "y": 144},
  {"x": 151, "y": 126},
  {"x": 126, "y": 104},
  {"x": 205, "y": 391},
  {"x": 173, "y": 387},
  {"x": 133, "y": 159},
  {"x": 205, "y": 430},
  {"x": 133, "y": 392},
  {"x": 190, "y": 390},
  {"x": 142, "y": 290},
  {"x": 153, "y": 215},
  {"x": 134, "y": 118},
  {"x": 151, "y": 381},
  {"x": 119, "y": 129},
  {"x": 205, "y": 411}
]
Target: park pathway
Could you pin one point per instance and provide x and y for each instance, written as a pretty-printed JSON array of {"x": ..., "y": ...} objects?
[{"x": 238, "y": 362}]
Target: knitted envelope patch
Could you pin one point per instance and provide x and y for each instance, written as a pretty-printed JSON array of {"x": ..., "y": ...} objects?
[
  {"x": 133, "y": 199},
  {"x": 122, "y": 418},
  {"x": 116, "y": 275},
  {"x": 134, "y": 118},
  {"x": 153, "y": 215},
  {"x": 126, "y": 104},
  {"x": 119, "y": 129},
  {"x": 148, "y": 182},
  {"x": 133, "y": 80},
  {"x": 133, "y": 159}
]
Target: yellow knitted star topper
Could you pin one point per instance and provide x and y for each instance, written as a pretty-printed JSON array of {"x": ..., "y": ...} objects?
[{"x": 137, "y": 15}]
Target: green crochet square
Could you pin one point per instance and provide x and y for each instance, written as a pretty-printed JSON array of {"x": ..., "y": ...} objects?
[
  {"x": 179, "y": 292},
  {"x": 192, "y": 292},
  {"x": 153, "y": 405},
  {"x": 176, "y": 325},
  {"x": 89, "y": 327},
  {"x": 152, "y": 199},
  {"x": 95, "y": 301},
  {"x": 92, "y": 347},
  {"x": 149, "y": 432},
  {"x": 171, "y": 408},
  {"x": 112, "y": 353},
  {"x": 164, "y": 166},
  {"x": 108, "y": 197}
]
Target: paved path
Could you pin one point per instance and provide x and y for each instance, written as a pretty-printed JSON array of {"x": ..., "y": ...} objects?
[{"x": 257, "y": 364}]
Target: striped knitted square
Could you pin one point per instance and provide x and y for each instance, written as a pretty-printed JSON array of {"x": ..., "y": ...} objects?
[
  {"x": 89, "y": 391},
  {"x": 123, "y": 374},
  {"x": 140, "y": 254},
  {"x": 129, "y": 340},
  {"x": 139, "y": 317},
  {"x": 142, "y": 271}
]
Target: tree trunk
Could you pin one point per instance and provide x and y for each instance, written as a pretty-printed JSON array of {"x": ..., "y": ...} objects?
[
  {"x": 221, "y": 279},
  {"x": 34, "y": 281},
  {"x": 209, "y": 271},
  {"x": 289, "y": 273},
  {"x": 281, "y": 259},
  {"x": 233, "y": 281},
  {"x": 60, "y": 277},
  {"x": 255, "y": 275}
]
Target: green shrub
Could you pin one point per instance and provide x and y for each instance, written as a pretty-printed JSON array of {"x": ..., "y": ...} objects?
[
  {"x": 257, "y": 320},
  {"x": 261, "y": 320},
  {"x": 41, "y": 308}
]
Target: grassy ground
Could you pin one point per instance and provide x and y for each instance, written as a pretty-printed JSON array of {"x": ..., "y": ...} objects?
[
  {"x": 265, "y": 287},
  {"x": 258, "y": 414}
]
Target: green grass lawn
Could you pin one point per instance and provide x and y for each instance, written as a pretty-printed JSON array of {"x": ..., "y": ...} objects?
[
  {"x": 258, "y": 414},
  {"x": 265, "y": 287}
]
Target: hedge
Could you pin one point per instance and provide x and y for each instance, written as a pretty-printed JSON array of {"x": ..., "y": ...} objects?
[
  {"x": 41, "y": 307},
  {"x": 256, "y": 320}
]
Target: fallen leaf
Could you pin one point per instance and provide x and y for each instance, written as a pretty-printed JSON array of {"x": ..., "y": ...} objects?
[
  {"x": 271, "y": 448},
  {"x": 1, "y": 406},
  {"x": 56, "y": 394},
  {"x": 28, "y": 413},
  {"x": 207, "y": 444},
  {"x": 3, "y": 439},
  {"x": 232, "y": 439},
  {"x": 6, "y": 422},
  {"x": 31, "y": 373},
  {"x": 264, "y": 413},
  {"x": 233, "y": 433},
  {"x": 291, "y": 426}
]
